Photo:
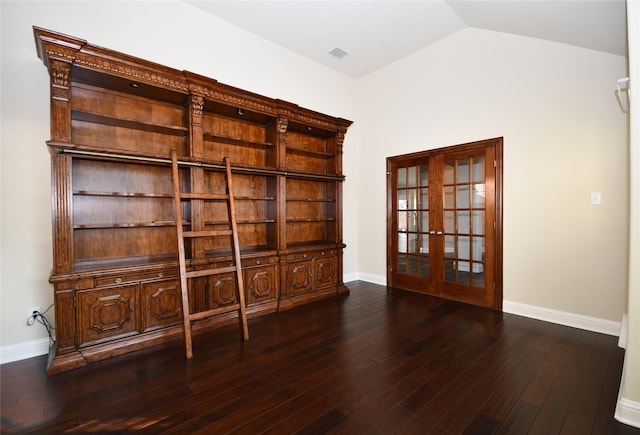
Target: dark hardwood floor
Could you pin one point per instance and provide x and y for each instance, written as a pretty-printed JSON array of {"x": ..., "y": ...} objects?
[{"x": 376, "y": 361}]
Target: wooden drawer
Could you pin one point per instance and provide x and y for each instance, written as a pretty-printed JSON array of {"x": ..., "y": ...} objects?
[
  {"x": 300, "y": 257},
  {"x": 124, "y": 278},
  {"x": 247, "y": 262},
  {"x": 250, "y": 262},
  {"x": 311, "y": 254}
]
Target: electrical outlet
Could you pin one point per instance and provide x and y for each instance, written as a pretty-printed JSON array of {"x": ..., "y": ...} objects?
[{"x": 32, "y": 309}]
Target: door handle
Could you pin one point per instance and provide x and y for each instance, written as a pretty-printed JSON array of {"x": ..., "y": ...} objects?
[
  {"x": 432, "y": 232},
  {"x": 439, "y": 233}
]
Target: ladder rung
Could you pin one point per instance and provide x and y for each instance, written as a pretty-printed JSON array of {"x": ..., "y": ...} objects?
[
  {"x": 204, "y": 314},
  {"x": 207, "y": 272},
  {"x": 210, "y": 233},
  {"x": 209, "y": 196}
]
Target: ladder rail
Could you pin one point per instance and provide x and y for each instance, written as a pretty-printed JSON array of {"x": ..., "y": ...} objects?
[
  {"x": 236, "y": 250},
  {"x": 177, "y": 208}
]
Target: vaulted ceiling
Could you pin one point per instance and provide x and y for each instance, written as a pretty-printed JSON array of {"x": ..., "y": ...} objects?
[{"x": 377, "y": 33}]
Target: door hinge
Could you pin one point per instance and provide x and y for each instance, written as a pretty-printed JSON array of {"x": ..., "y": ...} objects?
[{"x": 495, "y": 164}]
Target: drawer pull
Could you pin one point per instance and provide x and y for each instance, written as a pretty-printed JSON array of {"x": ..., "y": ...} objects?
[{"x": 118, "y": 280}]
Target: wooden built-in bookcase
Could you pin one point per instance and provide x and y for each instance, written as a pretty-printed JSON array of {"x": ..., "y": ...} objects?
[{"x": 114, "y": 121}]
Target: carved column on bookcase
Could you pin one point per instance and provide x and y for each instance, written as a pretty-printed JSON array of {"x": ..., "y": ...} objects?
[
  {"x": 281, "y": 161},
  {"x": 63, "y": 262},
  {"x": 62, "y": 212},
  {"x": 281, "y": 144},
  {"x": 196, "y": 150},
  {"x": 342, "y": 289},
  {"x": 60, "y": 72},
  {"x": 196, "y": 142}
]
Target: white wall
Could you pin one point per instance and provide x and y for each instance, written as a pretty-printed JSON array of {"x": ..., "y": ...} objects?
[
  {"x": 564, "y": 136},
  {"x": 170, "y": 33},
  {"x": 628, "y": 407}
]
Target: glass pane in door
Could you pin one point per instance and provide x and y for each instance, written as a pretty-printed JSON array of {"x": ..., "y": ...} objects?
[
  {"x": 412, "y": 193},
  {"x": 464, "y": 221}
]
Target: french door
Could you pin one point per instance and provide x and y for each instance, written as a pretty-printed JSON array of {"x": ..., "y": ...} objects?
[{"x": 444, "y": 222}]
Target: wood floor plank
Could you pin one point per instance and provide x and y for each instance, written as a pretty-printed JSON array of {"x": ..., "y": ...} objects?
[
  {"x": 379, "y": 361},
  {"x": 519, "y": 419}
]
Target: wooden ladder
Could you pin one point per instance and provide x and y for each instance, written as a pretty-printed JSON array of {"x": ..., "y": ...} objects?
[{"x": 187, "y": 317}]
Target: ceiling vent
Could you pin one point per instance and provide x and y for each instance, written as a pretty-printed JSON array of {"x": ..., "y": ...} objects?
[{"x": 338, "y": 52}]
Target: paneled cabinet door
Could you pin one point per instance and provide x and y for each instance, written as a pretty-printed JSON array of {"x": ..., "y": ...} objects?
[
  {"x": 260, "y": 284},
  {"x": 299, "y": 277},
  {"x": 220, "y": 290},
  {"x": 162, "y": 304},
  {"x": 106, "y": 313},
  {"x": 325, "y": 272}
]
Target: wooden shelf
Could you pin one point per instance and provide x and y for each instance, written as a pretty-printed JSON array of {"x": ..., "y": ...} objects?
[
  {"x": 324, "y": 219},
  {"x": 102, "y": 226},
  {"x": 94, "y": 118},
  {"x": 238, "y": 141},
  {"x": 123, "y": 194},
  {"x": 122, "y": 264},
  {"x": 242, "y": 222},
  {"x": 254, "y": 198},
  {"x": 314, "y": 245},
  {"x": 309, "y": 153},
  {"x": 310, "y": 200},
  {"x": 245, "y": 252},
  {"x": 314, "y": 176}
]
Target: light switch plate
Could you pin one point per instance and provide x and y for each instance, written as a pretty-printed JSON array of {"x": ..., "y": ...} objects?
[{"x": 595, "y": 198}]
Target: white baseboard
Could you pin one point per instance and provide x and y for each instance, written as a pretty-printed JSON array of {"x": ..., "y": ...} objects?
[
  {"x": 368, "y": 277},
  {"x": 627, "y": 411},
  {"x": 348, "y": 277},
  {"x": 579, "y": 321},
  {"x": 27, "y": 349},
  {"x": 624, "y": 330}
]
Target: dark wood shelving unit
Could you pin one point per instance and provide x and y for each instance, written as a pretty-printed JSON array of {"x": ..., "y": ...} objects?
[{"x": 115, "y": 119}]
